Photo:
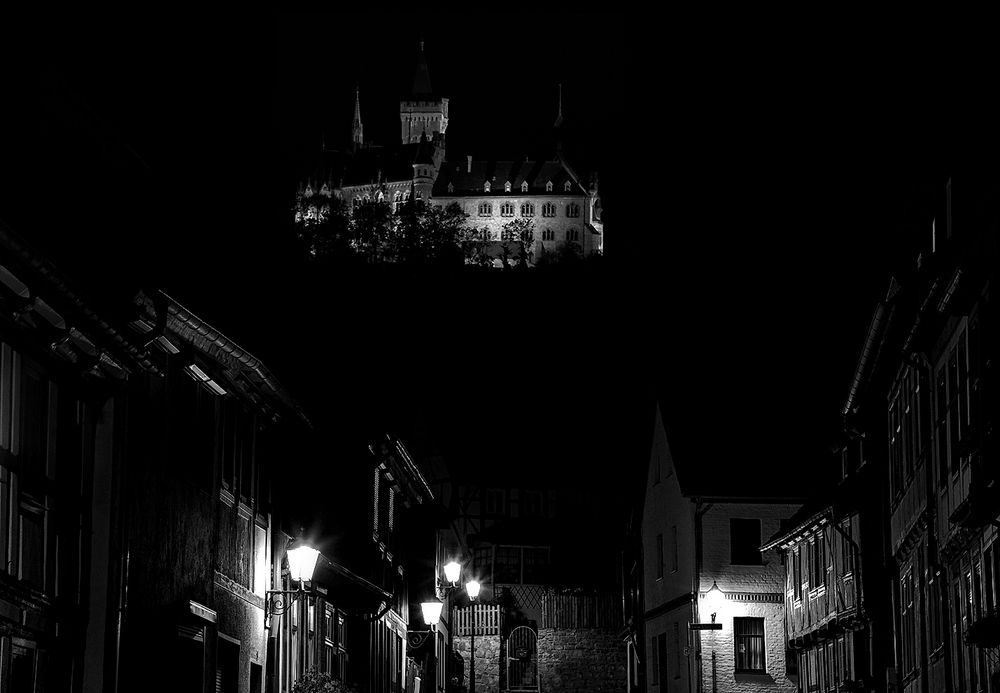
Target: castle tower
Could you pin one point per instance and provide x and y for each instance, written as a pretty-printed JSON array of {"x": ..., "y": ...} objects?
[
  {"x": 357, "y": 131},
  {"x": 424, "y": 169},
  {"x": 422, "y": 112}
]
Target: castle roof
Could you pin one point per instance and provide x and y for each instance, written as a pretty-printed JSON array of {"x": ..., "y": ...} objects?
[
  {"x": 366, "y": 166},
  {"x": 469, "y": 180},
  {"x": 422, "y": 76}
]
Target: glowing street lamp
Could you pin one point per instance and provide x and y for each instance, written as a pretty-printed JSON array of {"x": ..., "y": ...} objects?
[
  {"x": 452, "y": 572},
  {"x": 472, "y": 587},
  {"x": 714, "y": 599},
  {"x": 301, "y": 561},
  {"x": 432, "y": 611}
]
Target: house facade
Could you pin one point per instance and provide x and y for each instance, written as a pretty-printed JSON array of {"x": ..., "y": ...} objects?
[{"x": 701, "y": 565}]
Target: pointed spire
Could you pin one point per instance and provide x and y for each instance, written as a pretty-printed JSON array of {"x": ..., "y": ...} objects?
[
  {"x": 559, "y": 118},
  {"x": 422, "y": 77},
  {"x": 357, "y": 131}
]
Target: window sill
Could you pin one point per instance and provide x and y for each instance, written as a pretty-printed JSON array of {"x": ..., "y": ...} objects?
[{"x": 753, "y": 677}]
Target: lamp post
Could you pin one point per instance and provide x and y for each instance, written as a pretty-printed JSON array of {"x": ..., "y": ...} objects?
[
  {"x": 301, "y": 565},
  {"x": 472, "y": 587},
  {"x": 432, "y": 609}
]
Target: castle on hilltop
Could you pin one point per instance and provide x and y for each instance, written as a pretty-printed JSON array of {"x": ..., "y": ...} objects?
[{"x": 547, "y": 191}]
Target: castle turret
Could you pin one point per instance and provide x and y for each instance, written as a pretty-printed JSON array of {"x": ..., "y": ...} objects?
[
  {"x": 424, "y": 169},
  {"x": 422, "y": 111}
]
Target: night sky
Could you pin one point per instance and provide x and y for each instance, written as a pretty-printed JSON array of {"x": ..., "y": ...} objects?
[{"x": 753, "y": 180}]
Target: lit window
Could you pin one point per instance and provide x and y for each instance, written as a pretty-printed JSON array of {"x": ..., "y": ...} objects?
[
  {"x": 748, "y": 639},
  {"x": 527, "y": 210},
  {"x": 507, "y": 209},
  {"x": 524, "y": 186},
  {"x": 548, "y": 210},
  {"x": 486, "y": 186},
  {"x": 573, "y": 210},
  {"x": 566, "y": 186},
  {"x": 485, "y": 209},
  {"x": 506, "y": 186},
  {"x": 548, "y": 186}
]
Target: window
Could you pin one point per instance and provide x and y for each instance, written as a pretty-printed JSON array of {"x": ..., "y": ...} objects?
[
  {"x": 451, "y": 187},
  {"x": 506, "y": 186},
  {"x": 797, "y": 573},
  {"x": 748, "y": 638},
  {"x": 486, "y": 186},
  {"x": 548, "y": 235},
  {"x": 673, "y": 549},
  {"x": 507, "y": 209},
  {"x": 507, "y": 566},
  {"x": 548, "y": 210},
  {"x": 654, "y": 660},
  {"x": 566, "y": 186},
  {"x": 817, "y": 562},
  {"x": 572, "y": 235},
  {"x": 536, "y": 565},
  {"x": 495, "y": 501},
  {"x": 659, "y": 556},
  {"x": 524, "y": 186},
  {"x": 485, "y": 209},
  {"x": 908, "y": 429},
  {"x": 846, "y": 550},
  {"x": 907, "y": 621},
  {"x": 548, "y": 186},
  {"x": 744, "y": 541},
  {"x": 482, "y": 561},
  {"x": 527, "y": 210},
  {"x": 677, "y": 650},
  {"x": 661, "y": 655},
  {"x": 572, "y": 210},
  {"x": 531, "y": 503}
]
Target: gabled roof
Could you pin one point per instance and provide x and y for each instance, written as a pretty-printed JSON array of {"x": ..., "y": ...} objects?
[
  {"x": 469, "y": 180},
  {"x": 367, "y": 166}
]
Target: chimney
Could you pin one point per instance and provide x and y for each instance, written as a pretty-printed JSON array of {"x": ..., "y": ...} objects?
[{"x": 468, "y": 165}]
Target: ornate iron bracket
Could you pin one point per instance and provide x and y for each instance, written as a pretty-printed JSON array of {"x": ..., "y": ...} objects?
[{"x": 278, "y": 602}]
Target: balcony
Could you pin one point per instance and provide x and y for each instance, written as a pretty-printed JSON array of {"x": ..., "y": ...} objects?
[
  {"x": 985, "y": 631},
  {"x": 982, "y": 503}
]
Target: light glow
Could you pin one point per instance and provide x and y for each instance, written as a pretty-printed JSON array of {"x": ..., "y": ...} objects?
[
  {"x": 472, "y": 587},
  {"x": 452, "y": 572},
  {"x": 432, "y": 611},
  {"x": 714, "y": 600},
  {"x": 302, "y": 562}
]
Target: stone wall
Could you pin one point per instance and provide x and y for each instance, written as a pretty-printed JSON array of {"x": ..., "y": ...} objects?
[
  {"x": 487, "y": 662},
  {"x": 584, "y": 660},
  {"x": 580, "y": 660}
]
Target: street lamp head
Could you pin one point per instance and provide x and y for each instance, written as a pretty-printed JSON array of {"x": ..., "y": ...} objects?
[
  {"x": 432, "y": 611},
  {"x": 713, "y": 599},
  {"x": 472, "y": 587},
  {"x": 452, "y": 572},
  {"x": 301, "y": 561}
]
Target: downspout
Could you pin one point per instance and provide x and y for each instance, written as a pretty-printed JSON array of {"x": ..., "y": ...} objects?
[{"x": 699, "y": 511}]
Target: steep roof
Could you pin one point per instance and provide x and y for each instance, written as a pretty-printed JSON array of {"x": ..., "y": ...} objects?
[
  {"x": 366, "y": 166},
  {"x": 422, "y": 76},
  {"x": 469, "y": 180}
]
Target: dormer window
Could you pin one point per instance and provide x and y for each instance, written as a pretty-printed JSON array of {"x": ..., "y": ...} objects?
[
  {"x": 548, "y": 186},
  {"x": 524, "y": 186},
  {"x": 506, "y": 186},
  {"x": 451, "y": 187},
  {"x": 566, "y": 186},
  {"x": 486, "y": 186}
]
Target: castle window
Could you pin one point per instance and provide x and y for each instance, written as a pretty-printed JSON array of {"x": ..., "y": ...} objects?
[
  {"x": 506, "y": 186},
  {"x": 527, "y": 210},
  {"x": 548, "y": 235},
  {"x": 524, "y": 186},
  {"x": 548, "y": 186},
  {"x": 507, "y": 209},
  {"x": 379, "y": 197},
  {"x": 572, "y": 210},
  {"x": 451, "y": 188},
  {"x": 485, "y": 209},
  {"x": 566, "y": 186},
  {"x": 356, "y": 202},
  {"x": 572, "y": 235},
  {"x": 486, "y": 186},
  {"x": 548, "y": 210}
]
